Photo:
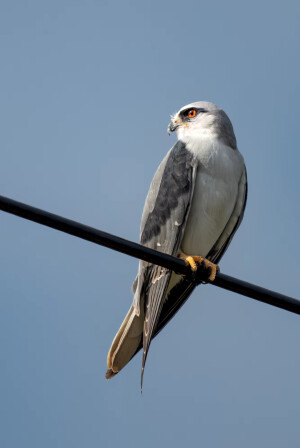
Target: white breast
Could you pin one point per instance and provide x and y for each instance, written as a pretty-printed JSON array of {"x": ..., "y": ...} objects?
[{"x": 215, "y": 194}]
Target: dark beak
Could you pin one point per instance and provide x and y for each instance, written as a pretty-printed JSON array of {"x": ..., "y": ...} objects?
[{"x": 172, "y": 127}]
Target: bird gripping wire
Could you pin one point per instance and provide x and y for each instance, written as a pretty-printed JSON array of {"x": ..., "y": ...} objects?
[{"x": 144, "y": 253}]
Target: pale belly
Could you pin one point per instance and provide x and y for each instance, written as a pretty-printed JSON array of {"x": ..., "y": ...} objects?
[{"x": 212, "y": 205}]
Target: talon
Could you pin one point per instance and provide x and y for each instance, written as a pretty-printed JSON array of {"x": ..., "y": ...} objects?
[
  {"x": 213, "y": 269},
  {"x": 210, "y": 269},
  {"x": 190, "y": 261}
]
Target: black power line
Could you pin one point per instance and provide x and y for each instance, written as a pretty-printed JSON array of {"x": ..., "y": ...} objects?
[{"x": 144, "y": 253}]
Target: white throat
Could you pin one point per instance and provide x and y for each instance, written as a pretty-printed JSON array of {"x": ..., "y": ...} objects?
[{"x": 202, "y": 142}]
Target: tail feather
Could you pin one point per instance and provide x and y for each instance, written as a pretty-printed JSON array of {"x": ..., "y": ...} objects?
[{"x": 125, "y": 343}]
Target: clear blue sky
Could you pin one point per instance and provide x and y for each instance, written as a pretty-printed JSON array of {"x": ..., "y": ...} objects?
[{"x": 86, "y": 92}]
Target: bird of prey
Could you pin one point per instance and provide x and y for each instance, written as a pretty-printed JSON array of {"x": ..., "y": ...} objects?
[{"x": 195, "y": 204}]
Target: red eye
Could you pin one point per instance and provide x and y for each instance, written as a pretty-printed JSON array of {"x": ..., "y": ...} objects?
[{"x": 192, "y": 113}]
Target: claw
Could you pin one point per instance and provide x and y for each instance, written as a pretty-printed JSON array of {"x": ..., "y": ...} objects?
[
  {"x": 209, "y": 269},
  {"x": 190, "y": 261}
]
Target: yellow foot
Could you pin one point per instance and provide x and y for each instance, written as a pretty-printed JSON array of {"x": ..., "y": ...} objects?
[{"x": 194, "y": 261}]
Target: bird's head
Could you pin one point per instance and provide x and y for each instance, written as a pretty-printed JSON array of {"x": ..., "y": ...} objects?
[{"x": 202, "y": 119}]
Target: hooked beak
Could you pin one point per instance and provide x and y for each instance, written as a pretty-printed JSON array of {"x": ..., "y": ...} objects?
[{"x": 172, "y": 127}]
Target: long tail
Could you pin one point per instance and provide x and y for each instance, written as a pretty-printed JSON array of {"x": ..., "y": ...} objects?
[{"x": 125, "y": 343}]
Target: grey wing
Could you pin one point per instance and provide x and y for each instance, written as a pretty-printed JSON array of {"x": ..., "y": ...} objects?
[
  {"x": 183, "y": 289},
  {"x": 164, "y": 217}
]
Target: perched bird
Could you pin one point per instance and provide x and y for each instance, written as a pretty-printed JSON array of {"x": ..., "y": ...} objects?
[{"x": 194, "y": 206}]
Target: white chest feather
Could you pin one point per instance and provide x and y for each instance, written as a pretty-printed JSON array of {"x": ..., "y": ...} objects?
[{"x": 215, "y": 194}]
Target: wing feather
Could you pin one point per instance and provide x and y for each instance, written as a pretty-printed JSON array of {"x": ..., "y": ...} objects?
[
  {"x": 183, "y": 289},
  {"x": 163, "y": 222},
  {"x": 164, "y": 217}
]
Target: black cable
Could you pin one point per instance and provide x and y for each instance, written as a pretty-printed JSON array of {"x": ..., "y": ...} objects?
[{"x": 144, "y": 253}]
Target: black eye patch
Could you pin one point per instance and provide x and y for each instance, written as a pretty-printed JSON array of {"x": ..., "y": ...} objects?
[{"x": 186, "y": 114}]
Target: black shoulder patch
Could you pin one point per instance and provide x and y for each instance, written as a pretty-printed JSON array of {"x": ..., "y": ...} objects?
[{"x": 176, "y": 181}]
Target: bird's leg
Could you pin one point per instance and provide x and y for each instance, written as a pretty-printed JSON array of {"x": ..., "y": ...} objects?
[{"x": 209, "y": 269}]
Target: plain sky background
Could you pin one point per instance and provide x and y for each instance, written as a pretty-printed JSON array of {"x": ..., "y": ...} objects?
[{"x": 87, "y": 88}]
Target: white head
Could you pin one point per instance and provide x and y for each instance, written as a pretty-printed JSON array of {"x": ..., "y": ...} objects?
[{"x": 203, "y": 119}]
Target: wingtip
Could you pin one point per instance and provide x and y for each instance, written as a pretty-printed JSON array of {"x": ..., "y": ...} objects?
[{"x": 142, "y": 377}]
